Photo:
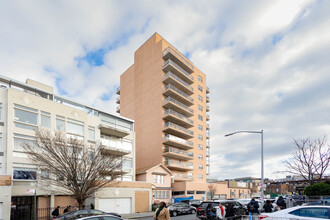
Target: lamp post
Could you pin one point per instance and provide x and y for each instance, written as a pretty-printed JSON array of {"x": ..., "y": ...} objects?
[{"x": 262, "y": 159}]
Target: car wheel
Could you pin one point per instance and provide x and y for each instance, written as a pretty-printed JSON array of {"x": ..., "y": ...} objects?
[
  {"x": 193, "y": 211},
  {"x": 174, "y": 214}
]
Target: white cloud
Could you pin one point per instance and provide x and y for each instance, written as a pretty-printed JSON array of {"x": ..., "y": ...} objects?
[{"x": 266, "y": 62}]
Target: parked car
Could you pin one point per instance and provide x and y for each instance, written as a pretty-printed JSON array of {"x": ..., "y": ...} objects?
[
  {"x": 181, "y": 208},
  {"x": 325, "y": 201},
  {"x": 239, "y": 209},
  {"x": 299, "y": 212},
  {"x": 193, "y": 202},
  {"x": 83, "y": 213},
  {"x": 101, "y": 217}
]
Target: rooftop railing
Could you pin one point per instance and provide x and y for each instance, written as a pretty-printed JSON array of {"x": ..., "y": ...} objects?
[
  {"x": 170, "y": 74},
  {"x": 179, "y": 68},
  {"x": 179, "y": 56},
  {"x": 169, "y": 86},
  {"x": 170, "y": 99}
]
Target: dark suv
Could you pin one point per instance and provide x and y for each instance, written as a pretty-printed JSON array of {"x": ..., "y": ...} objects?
[
  {"x": 193, "y": 202},
  {"x": 239, "y": 209}
]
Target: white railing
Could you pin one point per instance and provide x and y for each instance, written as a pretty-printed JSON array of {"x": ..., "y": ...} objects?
[
  {"x": 177, "y": 139},
  {"x": 179, "y": 56},
  {"x": 178, "y": 127},
  {"x": 172, "y": 112},
  {"x": 170, "y": 99},
  {"x": 169, "y": 86},
  {"x": 170, "y": 62}
]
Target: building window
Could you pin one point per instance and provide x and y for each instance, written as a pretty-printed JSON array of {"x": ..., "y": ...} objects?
[
  {"x": 91, "y": 133},
  {"x": 0, "y": 111},
  {"x": 45, "y": 119},
  {"x": 200, "y": 147},
  {"x": 200, "y": 98},
  {"x": 200, "y": 78},
  {"x": 24, "y": 174},
  {"x": 127, "y": 163},
  {"x": 200, "y": 127},
  {"x": 200, "y": 88},
  {"x": 200, "y": 117},
  {"x": 60, "y": 123},
  {"x": 27, "y": 116},
  {"x": 178, "y": 193},
  {"x": 200, "y": 166},
  {"x": 200, "y": 176},
  {"x": 200, "y": 107},
  {"x": 200, "y": 192},
  {"x": 127, "y": 145},
  {"x": 75, "y": 127},
  {"x": 21, "y": 140},
  {"x": 190, "y": 192},
  {"x": 159, "y": 179},
  {"x": 200, "y": 156},
  {"x": 200, "y": 137},
  {"x": 155, "y": 178}
]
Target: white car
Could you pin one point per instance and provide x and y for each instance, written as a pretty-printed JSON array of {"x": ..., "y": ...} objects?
[{"x": 299, "y": 212}]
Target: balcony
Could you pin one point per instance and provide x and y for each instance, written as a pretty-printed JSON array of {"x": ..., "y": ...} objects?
[
  {"x": 207, "y": 160},
  {"x": 207, "y": 117},
  {"x": 177, "y": 165},
  {"x": 118, "y": 109},
  {"x": 208, "y": 143},
  {"x": 118, "y": 91},
  {"x": 177, "y": 142},
  {"x": 170, "y": 78},
  {"x": 207, "y": 126},
  {"x": 178, "y": 154},
  {"x": 170, "y": 66},
  {"x": 207, "y": 151},
  {"x": 207, "y": 90},
  {"x": 118, "y": 171},
  {"x": 110, "y": 129},
  {"x": 170, "y": 53},
  {"x": 207, "y": 99},
  {"x": 111, "y": 148},
  {"x": 118, "y": 100},
  {"x": 182, "y": 177},
  {"x": 178, "y": 130},
  {"x": 170, "y": 90},
  {"x": 177, "y": 106},
  {"x": 208, "y": 134},
  {"x": 177, "y": 118},
  {"x": 207, "y": 108}
]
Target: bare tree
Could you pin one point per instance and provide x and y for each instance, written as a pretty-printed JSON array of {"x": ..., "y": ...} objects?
[
  {"x": 212, "y": 190},
  {"x": 70, "y": 166},
  {"x": 310, "y": 160}
]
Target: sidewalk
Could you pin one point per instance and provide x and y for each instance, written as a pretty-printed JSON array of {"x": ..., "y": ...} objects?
[{"x": 137, "y": 215}]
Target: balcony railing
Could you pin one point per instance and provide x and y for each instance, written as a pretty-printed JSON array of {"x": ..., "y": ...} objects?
[
  {"x": 179, "y": 164},
  {"x": 178, "y": 127},
  {"x": 179, "y": 68},
  {"x": 118, "y": 109},
  {"x": 169, "y": 86},
  {"x": 207, "y": 108},
  {"x": 170, "y": 99},
  {"x": 207, "y": 133},
  {"x": 207, "y": 126},
  {"x": 177, "y": 139},
  {"x": 207, "y": 117},
  {"x": 118, "y": 100},
  {"x": 183, "y": 176},
  {"x": 170, "y": 74},
  {"x": 118, "y": 90},
  {"x": 207, "y": 98},
  {"x": 179, "y": 56},
  {"x": 207, "y": 89},
  {"x": 177, "y": 151},
  {"x": 174, "y": 113},
  {"x": 208, "y": 143}
]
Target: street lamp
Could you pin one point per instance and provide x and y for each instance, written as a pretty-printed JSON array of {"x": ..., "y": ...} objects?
[{"x": 262, "y": 159}]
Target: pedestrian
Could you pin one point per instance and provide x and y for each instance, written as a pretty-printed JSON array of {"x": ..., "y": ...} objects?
[
  {"x": 253, "y": 207},
  {"x": 281, "y": 203},
  {"x": 268, "y": 207},
  {"x": 162, "y": 212},
  {"x": 210, "y": 212},
  {"x": 230, "y": 212},
  {"x": 92, "y": 206},
  {"x": 222, "y": 213},
  {"x": 67, "y": 209},
  {"x": 83, "y": 207},
  {"x": 56, "y": 212}
]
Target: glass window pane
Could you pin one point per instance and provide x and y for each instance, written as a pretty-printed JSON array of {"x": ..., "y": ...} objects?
[
  {"x": 24, "y": 174},
  {"x": 30, "y": 127},
  {"x": 91, "y": 134},
  {"x": 45, "y": 121},
  {"x": 27, "y": 117},
  {"x": 60, "y": 125},
  {"x": 75, "y": 128},
  {"x": 127, "y": 145}
]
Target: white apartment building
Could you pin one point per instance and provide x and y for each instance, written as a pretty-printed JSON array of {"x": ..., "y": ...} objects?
[{"x": 25, "y": 107}]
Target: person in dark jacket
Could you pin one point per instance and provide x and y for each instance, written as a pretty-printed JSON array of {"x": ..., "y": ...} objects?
[
  {"x": 67, "y": 209},
  {"x": 210, "y": 212},
  {"x": 281, "y": 203},
  {"x": 253, "y": 207},
  {"x": 56, "y": 212},
  {"x": 230, "y": 211},
  {"x": 268, "y": 207}
]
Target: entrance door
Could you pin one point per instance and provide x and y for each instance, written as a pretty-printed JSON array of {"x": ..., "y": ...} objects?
[
  {"x": 118, "y": 205},
  {"x": 22, "y": 208}
]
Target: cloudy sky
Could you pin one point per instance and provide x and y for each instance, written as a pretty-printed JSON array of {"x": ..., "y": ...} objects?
[{"x": 267, "y": 63}]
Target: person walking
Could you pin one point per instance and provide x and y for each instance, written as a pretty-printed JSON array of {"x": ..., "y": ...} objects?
[
  {"x": 56, "y": 212},
  {"x": 253, "y": 207},
  {"x": 230, "y": 212},
  {"x": 210, "y": 212},
  {"x": 162, "y": 212},
  {"x": 222, "y": 213},
  {"x": 268, "y": 207},
  {"x": 67, "y": 209},
  {"x": 281, "y": 203}
]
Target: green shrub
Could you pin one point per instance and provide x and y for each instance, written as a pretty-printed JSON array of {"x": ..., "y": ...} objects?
[{"x": 318, "y": 189}]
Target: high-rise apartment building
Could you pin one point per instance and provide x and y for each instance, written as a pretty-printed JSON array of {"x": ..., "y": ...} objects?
[{"x": 167, "y": 97}]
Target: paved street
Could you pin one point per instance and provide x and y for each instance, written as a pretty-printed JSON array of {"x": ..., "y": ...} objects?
[{"x": 180, "y": 217}]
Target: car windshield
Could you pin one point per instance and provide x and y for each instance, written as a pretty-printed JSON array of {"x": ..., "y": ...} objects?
[{"x": 204, "y": 204}]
